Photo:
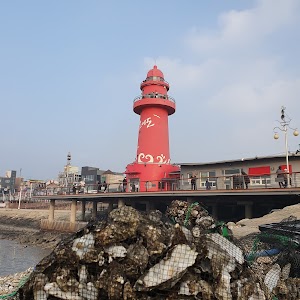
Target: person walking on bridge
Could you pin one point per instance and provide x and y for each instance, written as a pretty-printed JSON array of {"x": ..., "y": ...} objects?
[
  {"x": 193, "y": 183},
  {"x": 245, "y": 178},
  {"x": 105, "y": 187},
  {"x": 124, "y": 184},
  {"x": 280, "y": 177}
]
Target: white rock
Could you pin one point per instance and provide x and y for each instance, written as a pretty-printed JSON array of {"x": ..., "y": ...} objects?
[
  {"x": 225, "y": 245},
  {"x": 53, "y": 289},
  {"x": 88, "y": 291},
  {"x": 181, "y": 258},
  {"x": 272, "y": 277},
  {"x": 83, "y": 245},
  {"x": 196, "y": 231},
  {"x": 115, "y": 251},
  {"x": 82, "y": 274},
  {"x": 40, "y": 295},
  {"x": 187, "y": 233}
]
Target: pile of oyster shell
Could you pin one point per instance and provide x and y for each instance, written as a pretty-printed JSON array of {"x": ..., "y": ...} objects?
[{"x": 134, "y": 256}]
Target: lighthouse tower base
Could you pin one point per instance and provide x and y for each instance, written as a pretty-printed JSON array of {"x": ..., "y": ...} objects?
[{"x": 152, "y": 177}]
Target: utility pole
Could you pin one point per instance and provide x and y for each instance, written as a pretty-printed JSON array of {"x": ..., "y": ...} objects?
[{"x": 67, "y": 168}]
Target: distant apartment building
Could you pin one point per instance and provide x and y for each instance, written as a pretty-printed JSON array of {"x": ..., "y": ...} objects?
[
  {"x": 91, "y": 176},
  {"x": 69, "y": 175},
  {"x": 8, "y": 182}
]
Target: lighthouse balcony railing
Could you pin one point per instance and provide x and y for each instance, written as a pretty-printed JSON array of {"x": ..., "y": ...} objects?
[{"x": 153, "y": 95}]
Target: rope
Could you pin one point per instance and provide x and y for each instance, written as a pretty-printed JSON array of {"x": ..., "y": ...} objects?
[{"x": 251, "y": 256}]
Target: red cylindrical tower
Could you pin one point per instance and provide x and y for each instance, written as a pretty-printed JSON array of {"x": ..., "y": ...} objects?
[{"x": 152, "y": 170}]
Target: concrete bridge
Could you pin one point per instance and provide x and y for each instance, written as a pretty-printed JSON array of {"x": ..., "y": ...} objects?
[{"x": 221, "y": 204}]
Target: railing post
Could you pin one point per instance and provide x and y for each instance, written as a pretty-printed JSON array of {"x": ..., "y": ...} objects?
[{"x": 265, "y": 177}]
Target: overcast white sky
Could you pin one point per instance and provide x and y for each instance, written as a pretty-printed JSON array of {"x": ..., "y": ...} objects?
[{"x": 69, "y": 71}]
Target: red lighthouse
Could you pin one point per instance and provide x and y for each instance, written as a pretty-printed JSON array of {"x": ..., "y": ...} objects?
[{"x": 152, "y": 170}]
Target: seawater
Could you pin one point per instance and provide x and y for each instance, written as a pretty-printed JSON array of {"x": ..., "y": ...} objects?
[{"x": 15, "y": 257}]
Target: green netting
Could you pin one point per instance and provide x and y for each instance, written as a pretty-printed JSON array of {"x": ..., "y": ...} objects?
[
  {"x": 188, "y": 214},
  {"x": 22, "y": 282}
]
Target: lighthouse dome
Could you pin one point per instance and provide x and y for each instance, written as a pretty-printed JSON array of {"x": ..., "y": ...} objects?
[{"x": 155, "y": 72}]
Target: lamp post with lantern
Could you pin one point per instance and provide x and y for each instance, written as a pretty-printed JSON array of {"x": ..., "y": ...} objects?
[{"x": 284, "y": 126}]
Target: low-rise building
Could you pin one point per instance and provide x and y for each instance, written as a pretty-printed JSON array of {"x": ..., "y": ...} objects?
[
  {"x": 223, "y": 174},
  {"x": 92, "y": 177},
  {"x": 113, "y": 179}
]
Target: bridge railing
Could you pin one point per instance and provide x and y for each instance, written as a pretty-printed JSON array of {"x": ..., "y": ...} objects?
[
  {"x": 229, "y": 182},
  {"x": 240, "y": 181}
]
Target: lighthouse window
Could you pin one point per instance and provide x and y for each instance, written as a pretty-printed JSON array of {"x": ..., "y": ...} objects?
[
  {"x": 154, "y": 78},
  {"x": 155, "y": 95}
]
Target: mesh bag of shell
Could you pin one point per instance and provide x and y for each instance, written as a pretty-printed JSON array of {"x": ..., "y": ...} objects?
[
  {"x": 135, "y": 256},
  {"x": 274, "y": 256}
]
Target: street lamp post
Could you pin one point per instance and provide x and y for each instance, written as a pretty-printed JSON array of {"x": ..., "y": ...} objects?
[{"x": 284, "y": 126}]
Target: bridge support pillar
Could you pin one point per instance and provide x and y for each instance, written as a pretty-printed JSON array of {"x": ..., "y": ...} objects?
[
  {"x": 248, "y": 205},
  {"x": 248, "y": 210},
  {"x": 94, "y": 211},
  {"x": 214, "y": 211},
  {"x": 51, "y": 210},
  {"x": 83, "y": 205},
  {"x": 121, "y": 202},
  {"x": 148, "y": 206},
  {"x": 110, "y": 207},
  {"x": 73, "y": 211},
  {"x": 190, "y": 200}
]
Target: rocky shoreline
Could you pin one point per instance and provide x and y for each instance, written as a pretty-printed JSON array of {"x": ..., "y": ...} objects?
[{"x": 23, "y": 226}]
